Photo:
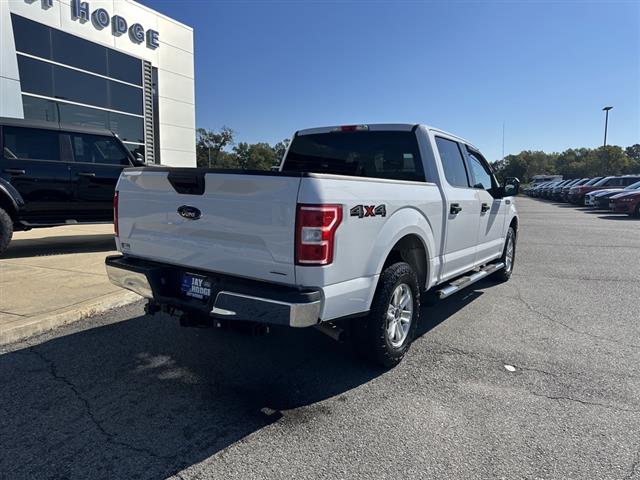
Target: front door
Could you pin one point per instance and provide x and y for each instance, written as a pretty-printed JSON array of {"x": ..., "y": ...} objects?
[
  {"x": 33, "y": 163},
  {"x": 492, "y": 209},
  {"x": 462, "y": 210},
  {"x": 98, "y": 162}
]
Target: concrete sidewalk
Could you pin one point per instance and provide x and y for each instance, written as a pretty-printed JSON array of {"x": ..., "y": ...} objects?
[{"x": 54, "y": 276}]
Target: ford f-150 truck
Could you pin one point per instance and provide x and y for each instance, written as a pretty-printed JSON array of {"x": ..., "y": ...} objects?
[{"x": 357, "y": 223}]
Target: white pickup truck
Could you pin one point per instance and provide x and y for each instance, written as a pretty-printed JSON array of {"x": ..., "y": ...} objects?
[{"x": 356, "y": 224}]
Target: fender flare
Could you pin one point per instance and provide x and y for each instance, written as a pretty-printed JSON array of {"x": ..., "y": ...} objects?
[{"x": 8, "y": 192}]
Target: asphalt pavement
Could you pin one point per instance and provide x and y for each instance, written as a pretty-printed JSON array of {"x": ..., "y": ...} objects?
[{"x": 535, "y": 378}]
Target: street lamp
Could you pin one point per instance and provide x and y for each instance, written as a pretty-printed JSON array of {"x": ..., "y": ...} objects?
[
  {"x": 208, "y": 143},
  {"x": 606, "y": 123}
]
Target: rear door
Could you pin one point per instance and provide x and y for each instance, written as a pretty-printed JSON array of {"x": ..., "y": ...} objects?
[
  {"x": 492, "y": 208},
  {"x": 98, "y": 162},
  {"x": 462, "y": 209},
  {"x": 32, "y": 161}
]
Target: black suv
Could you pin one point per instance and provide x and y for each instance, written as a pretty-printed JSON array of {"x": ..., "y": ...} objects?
[{"x": 54, "y": 174}]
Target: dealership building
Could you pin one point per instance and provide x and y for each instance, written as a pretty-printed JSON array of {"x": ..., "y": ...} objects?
[{"x": 112, "y": 64}]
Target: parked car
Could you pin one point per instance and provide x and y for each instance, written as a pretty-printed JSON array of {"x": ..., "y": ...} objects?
[
  {"x": 538, "y": 189},
  {"x": 602, "y": 199},
  {"x": 52, "y": 175},
  {"x": 357, "y": 224},
  {"x": 564, "y": 196},
  {"x": 626, "y": 202},
  {"x": 548, "y": 189},
  {"x": 591, "y": 198},
  {"x": 557, "y": 189},
  {"x": 576, "y": 194}
]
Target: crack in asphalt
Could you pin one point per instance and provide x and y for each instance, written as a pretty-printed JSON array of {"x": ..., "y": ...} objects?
[
  {"x": 460, "y": 351},
  {"x": 559, "y": 399},
  {"x": 109, "y": 437},
  {"x": 568, "y": 327}
]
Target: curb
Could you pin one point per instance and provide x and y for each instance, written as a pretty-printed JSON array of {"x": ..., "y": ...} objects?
[{"x": 31, "y": 326}]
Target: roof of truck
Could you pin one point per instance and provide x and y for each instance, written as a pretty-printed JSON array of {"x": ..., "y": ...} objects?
[{"x": 383, "y": 126}]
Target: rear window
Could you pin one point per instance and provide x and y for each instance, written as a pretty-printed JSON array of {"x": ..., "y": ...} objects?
[{"x": 378, "y": 154}]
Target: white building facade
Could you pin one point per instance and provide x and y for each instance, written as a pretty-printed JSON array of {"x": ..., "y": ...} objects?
[{"x": 111, "y": 64}]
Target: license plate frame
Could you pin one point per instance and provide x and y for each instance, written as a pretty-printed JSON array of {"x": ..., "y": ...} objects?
[{"x": 196, "y": 286}]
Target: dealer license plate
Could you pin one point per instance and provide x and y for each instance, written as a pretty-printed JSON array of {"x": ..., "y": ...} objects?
[{"x": 195, "y": 286}]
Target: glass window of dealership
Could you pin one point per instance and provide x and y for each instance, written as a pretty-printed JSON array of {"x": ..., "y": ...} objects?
[{"x": 120, "y": 66}]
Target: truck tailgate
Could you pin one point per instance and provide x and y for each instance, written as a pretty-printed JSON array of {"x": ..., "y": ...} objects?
[{"x": 245, "y": 227}]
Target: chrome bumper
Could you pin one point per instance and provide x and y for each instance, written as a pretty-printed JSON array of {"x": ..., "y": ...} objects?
[
  {"x": 137, "y": 282},
  {"x": 233, "y": 299},
  {"x": 266, "y": 310}
]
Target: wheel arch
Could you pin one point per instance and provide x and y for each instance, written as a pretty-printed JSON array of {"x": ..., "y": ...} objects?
[
  {"x": 10, "y": 199},
  {"x": 407, "y": 237}
]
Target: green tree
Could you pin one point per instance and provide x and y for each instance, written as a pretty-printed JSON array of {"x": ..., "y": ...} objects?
[
  {"x": 210, "y": 145},
  {"x": 280, "y": 148},
  {"x": 257, "y": 156}
]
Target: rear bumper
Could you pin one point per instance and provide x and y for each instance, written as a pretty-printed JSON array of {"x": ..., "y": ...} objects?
[{"x": 231, "y": 298}]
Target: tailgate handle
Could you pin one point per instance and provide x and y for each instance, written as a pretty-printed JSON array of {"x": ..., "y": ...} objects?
[
  {"x": 455, "y": 209},
  {"x": 86, "y": 174}
]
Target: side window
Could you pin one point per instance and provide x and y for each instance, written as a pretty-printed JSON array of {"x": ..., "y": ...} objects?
[
  {"x": 97, "y": 149},
  {"x": 31, "y": 143},
  {"x": 453, "y": 163},
  {"x": 480, "y": 173}
]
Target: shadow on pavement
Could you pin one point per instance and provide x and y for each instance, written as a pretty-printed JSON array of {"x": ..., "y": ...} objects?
[
  {"x": 64, "y": 244},
  {"x": 622, "y": 216},
  {"x": 144, "y": 398}
]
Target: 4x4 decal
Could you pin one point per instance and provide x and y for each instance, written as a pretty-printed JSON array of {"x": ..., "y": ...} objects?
[{"x": 362, "y": 211}]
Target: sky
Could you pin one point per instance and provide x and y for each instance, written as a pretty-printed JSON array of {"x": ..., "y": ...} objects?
[{"x": 542, "y": 68}]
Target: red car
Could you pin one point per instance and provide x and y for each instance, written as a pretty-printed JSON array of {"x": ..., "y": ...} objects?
[
  {"x": 626, "y": 203},
  {"x": 576, "y": 194}
]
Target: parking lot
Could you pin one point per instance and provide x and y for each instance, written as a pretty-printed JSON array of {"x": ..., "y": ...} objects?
[{"x": 123, "y": 395}]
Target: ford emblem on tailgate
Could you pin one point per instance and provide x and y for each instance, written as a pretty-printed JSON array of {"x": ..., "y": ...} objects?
[{"x": 187, "y": 211}]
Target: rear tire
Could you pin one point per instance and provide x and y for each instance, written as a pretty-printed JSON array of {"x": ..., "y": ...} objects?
[
  {"x": 384, "y": 336},
  {"x": 508, "y": 256},
  {"x": 637, "y": 212},
  {"x": 6, "y": 230}
]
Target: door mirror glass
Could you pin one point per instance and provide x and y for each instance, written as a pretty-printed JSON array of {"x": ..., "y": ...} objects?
[{"x": 511, "y": 187}]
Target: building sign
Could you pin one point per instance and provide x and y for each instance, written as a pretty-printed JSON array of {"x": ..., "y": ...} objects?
[{"x": 101, "y": 19}]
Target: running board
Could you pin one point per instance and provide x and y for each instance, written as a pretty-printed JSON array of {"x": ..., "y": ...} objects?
[{"x": 464, "y": 282}]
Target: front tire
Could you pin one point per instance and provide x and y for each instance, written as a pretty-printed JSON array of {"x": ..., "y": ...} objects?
[
  {"x": 508, "y": 256},
  {"x": 6, "y": 230},
  {"x": 385, "y": 335}
]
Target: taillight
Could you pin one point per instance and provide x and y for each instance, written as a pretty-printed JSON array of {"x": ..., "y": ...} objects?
[
  {"x": 315, "y": 233},
  {"x": 115, "y": 213}
]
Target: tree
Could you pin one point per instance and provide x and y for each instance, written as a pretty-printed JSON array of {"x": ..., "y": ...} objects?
[
  {"x": 572, "y": 163},
  {"x": 257, "y": 156},
  {"x": 280, "y": 148},
  {"x": 210, "y": 145}
]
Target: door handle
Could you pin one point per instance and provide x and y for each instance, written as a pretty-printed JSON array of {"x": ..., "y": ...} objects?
[
  {"x": 485, "y": 207},
  {"x": 14, "y": 171},
  {"x": 455, "y": 209},
  {"x": 86, "y": 174}
]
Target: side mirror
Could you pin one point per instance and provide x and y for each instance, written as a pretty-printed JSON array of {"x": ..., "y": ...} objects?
[{"x": 511, "y": 187}]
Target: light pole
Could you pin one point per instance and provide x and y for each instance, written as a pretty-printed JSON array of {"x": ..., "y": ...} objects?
[
  {"x": 606, "y": 123},
  {"x": 208, "y": 143}
]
